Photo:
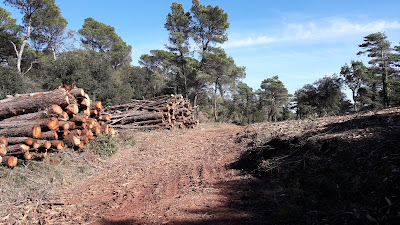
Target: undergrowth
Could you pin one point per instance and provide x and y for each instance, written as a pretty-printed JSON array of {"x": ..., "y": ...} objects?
[
  {"x": 104, "y": 145},
  {"x": 346, "y": 173}
]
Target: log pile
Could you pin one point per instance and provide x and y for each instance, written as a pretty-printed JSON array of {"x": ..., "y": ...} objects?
[
  {"x": 162, "y": 112},
  {"x": 32, "y": 124}
]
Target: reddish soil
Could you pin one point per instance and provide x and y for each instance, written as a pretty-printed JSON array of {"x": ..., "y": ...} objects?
[{"x": 168, "y": 177}]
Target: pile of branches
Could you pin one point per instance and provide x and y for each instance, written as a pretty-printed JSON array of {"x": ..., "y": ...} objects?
[
  {"x": 162, "y": 112},
  {"x": 32, "y": 124}
]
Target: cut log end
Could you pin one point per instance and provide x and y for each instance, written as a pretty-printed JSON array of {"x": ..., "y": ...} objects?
[
  {"x": 11, "y": 161},
  {"x": 98, "y": 105},
  {"x": 77, "y": 92},
  {"x": 3, "y": 140},
  {"x": 57, "y": 144},
  {"x": 72, "y": 109},
  {"x": 3, "y": 150},
  {"x": 36, "y": 131},
  {"x": 57, "y": 109},
  {"x": 53, "y": 123}
]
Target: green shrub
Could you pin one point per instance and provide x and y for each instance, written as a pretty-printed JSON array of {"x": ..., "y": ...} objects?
[{"x": 104, "y": 145}]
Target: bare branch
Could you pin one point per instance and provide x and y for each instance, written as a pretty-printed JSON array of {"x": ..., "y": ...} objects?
[
  {"x": 30, "y": 67},
  {"x": 15, "y": 47}
]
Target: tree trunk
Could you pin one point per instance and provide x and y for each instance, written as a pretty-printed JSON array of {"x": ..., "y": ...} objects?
[
  {"x": 49, "y": 135},
  {"x": 21, "y": 49},
  {"x": 17, "y": 149},
  {"x": 25, "y": 131},
  {"x": 354, "y": 101},
  {"x": 215, "y": 103},
  {"x": 52, "y": 111},
  {"x": 385, "y": 89},
  {"x": 29, "y": 104},
  {"x": 20, "y": 140},
  {"x": 50, "y": 123},
  {"x": 148, "y": 116}
]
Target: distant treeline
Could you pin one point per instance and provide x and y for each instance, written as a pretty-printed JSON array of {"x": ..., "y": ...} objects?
[{"x": 40, "y": 54}]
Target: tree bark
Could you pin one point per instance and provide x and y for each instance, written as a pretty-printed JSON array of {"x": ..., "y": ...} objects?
[
  {"x": 25, "y": 131},
  {"x": 50, "y": 123},
  {"x": 20, "y": 140},
  {"x": 49, "y": 135},
  {"x": 148, "y": 116},
  {"x": 26, "y": 105},
  {"x": 17, "y": 149}
]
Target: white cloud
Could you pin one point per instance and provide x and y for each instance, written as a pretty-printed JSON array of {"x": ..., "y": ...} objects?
[{"x": 328, "y": 29}]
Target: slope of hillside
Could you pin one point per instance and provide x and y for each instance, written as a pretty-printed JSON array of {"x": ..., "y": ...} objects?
[{"x": 333, "y": 170}]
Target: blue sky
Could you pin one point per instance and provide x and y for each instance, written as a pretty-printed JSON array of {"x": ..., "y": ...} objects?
[{"x": 300, "y": 41}]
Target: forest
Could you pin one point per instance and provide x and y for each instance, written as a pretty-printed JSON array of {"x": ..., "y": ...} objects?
[{"x": 40, "y": 54}]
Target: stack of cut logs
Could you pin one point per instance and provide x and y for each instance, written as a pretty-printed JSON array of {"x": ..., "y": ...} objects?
[
  {"x": 31, "y": 124},
  {"x": 162, "y": 112}
]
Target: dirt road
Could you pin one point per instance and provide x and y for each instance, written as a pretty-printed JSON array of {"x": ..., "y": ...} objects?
[{"x": 168, "y": 177}]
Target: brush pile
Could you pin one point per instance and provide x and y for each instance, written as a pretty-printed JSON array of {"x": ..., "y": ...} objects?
[
  {"x": 32, "y": 124},
  {"x": 162, "y": 112}
]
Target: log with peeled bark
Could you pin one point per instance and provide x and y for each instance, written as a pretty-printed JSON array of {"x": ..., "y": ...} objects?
[
  {"x": 20, "y": 140},
  {"x": 26, "y": 131},
  {"x": 35, "y": 103},
  {"x": 50, "y": 123},
  {"x": 10, "y": 161},
  {"x": 52, "y": 111}
]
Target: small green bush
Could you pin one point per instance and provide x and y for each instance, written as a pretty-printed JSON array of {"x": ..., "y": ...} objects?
[{"x": 104, "y": 145}]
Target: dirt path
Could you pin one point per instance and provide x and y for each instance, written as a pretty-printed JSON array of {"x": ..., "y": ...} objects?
[{"x": 169, "y": 177}]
